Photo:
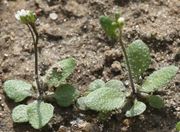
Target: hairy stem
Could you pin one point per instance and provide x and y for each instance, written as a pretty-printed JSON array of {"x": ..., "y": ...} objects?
[
  {"x": 35, "y": 37},
  {"x": 127, "y": 62}
]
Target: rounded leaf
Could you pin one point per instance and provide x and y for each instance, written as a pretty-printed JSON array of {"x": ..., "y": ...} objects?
[
  {"x": 116, "y": 84},
  {"x": 65, "y": 95},
  {"x": 19, "y": 114},
  {"x": 137, "y": 109},
  {"x": 105, "y": 99},
  {"x": 96, "y": 84},
  {"x": 39, "y": 114},
  {"x": 139, "y": 57},
  {"x": 156, "y": 101},
  {"x": 17, "y": 90},
  {"x": 158, "y": 79},
  {"x": 59, "y": 72}
]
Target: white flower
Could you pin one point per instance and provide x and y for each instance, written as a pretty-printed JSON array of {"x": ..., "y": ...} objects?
[
  {"x": 25, "y": 16},
  {"x": 22, "y": 13}
]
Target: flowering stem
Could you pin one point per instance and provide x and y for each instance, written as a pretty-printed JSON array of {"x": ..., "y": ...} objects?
[
  {"x": 35, "y": 37},
  {"x": 127, "y": 62}
]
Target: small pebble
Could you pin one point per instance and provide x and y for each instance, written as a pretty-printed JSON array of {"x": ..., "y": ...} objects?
[
  {"x": 53, "y": 16},
  {"x": 63, "y": 129},
  {"x": 126, "y": 122},
  {"x": 116, "y": 66},
  {"x": 126, "y": 82},
  {"x": 82, "y": 115},
  {"x": 124, "y": 129},
  {"x": 6, "y": 55},
  {"x": 112, "y": 55},
  {"x": 2, "y": 105}
]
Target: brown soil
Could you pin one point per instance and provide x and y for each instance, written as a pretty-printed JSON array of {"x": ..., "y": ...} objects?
[{"x": 76, "y": 32}]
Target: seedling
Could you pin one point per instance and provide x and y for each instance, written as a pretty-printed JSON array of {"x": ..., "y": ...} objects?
[
  {"x": 112, "y": 95},
  {"x": 38, "y": 113}
]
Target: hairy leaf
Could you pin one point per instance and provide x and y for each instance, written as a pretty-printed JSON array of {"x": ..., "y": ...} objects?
[
  {"x": 96, "y": 84},
  {"x": 156, "y": 102},
  {"x": 116, "y": 84},
  {"x": 65, "y": 95},
  {"x": 17, "y": 90},
  {"x": 105, "y": 99},
  {"x": 39, "y": 114},
  {"x": 19, "y": 114},
  {"x": 137, "y": 109},
  {"x": 109, "y": 26},
  {"x": 158, "y": 79},
  {"x": 81, "y": 103},
  {"x": 139, "y": 57},
  {"x": 59, "y": 72}
]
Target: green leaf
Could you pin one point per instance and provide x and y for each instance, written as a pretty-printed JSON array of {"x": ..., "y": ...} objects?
[
  {"x": 19, "y": 114},
  {"x": 156, "y": 101},
  {"x": 65, "y": 95},
  {"x": 17, "y": 90},
  {"x": 116, "y": 84},
  {"x": 139, "y": 57},
  {"x": 95, "y": 85},
  {"x": 59, "y": 72},
  {"x": 105, "y": 99},
  {"x": 39, "y": 114},
  {"x": 158, "y": 79},
  {"x": 81, "y": 103},
  {"x": 178, "y": 126},
  {"x": 109, "y": 26},
  {"x": 137, "y": 109}
]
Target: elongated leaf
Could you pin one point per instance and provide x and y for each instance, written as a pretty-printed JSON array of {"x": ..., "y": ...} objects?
[
  {"x": 96, "y": 84},
  {"x": 158, "y": 79},
  {"x": 17, "y": 90},
  {"x": 116, "y": 84},
  {"x": 139, "y": 57},
  {"x": 156, "y": 102},
  {"x": 59, "y": 72},
  {"x": 19, "y": 114},
  {"x": 108, "y": 26},
  {"x": 105, "y": 99},
  {"x": 137, "y": 109},
  {"x": 39, "y": 114},
  {"x": 65, "y": 95}
]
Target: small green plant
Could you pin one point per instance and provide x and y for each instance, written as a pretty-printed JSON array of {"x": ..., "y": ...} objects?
[
  {"x": 38, "y": 113},
  {"x": 112, "y": 95}
]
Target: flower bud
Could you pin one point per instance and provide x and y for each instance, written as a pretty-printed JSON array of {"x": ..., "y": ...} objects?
[{"x": 121, "y": 21}]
